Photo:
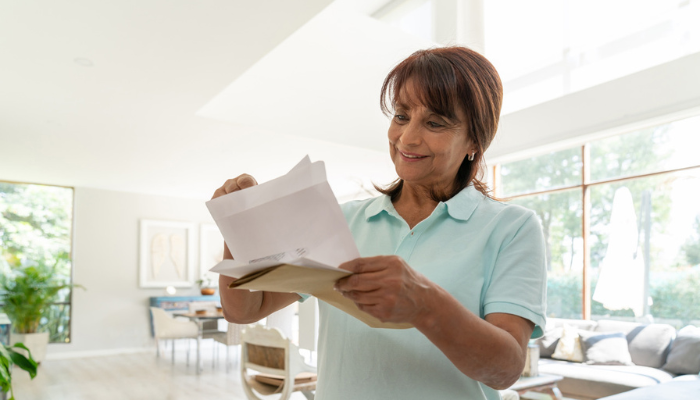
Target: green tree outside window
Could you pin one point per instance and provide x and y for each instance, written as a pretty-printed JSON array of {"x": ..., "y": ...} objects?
[{"x": 35, "y": 228}]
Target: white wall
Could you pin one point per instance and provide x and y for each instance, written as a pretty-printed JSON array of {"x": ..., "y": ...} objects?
[{"x": 111, "y": 316}]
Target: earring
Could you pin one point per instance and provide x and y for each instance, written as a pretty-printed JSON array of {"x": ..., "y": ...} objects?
[{"x": 471, "y": 157}]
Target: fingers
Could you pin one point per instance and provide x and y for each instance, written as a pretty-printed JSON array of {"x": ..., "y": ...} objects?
[
  {"x": 368, "y": 264},
  {"x": 369, "y": 298},
  {"x": 218, "y": 193},
  {"x": 366, "y": 282},
  {"x": 245, "y": 181},
  {"x": 232, "y": 185},
  {"x": 238, "y": 183},
  {"x": 386, "y": 288}
]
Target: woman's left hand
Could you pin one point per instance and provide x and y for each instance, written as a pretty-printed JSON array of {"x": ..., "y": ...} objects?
[{"x": 386, "y": 288}]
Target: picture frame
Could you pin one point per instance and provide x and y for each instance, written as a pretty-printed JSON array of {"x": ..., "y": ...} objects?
[
  {"x": 166, "y": 254},
  {"x": 211, "y": 249}
]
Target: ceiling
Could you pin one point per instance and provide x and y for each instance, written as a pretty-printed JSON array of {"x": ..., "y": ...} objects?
[{"x": 172, "y": 97}]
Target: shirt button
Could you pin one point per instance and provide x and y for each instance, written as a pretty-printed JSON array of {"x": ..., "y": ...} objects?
[{"x": 411, "y": 233}]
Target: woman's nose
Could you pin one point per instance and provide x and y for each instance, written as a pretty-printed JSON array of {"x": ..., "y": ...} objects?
[{"x": 411, "y": 134}]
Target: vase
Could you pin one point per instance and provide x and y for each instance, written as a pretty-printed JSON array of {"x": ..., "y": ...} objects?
[
  {"x": 532, "y": 360},
  {"x": 208, "y": 291},
  {"x": 35, "y": 342}
]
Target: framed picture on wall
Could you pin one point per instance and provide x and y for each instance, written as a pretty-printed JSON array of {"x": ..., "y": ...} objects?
[
  {"x": 211, "y": 249},
  {"x": 167, "y": 254}
]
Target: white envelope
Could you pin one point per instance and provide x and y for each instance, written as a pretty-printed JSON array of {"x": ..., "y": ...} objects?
[{"x": 293, "y": 219}]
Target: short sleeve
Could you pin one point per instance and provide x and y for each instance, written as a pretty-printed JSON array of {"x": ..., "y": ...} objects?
[
  {"x": 303, "y": 297},
  {"x": 518, "y": 283}
]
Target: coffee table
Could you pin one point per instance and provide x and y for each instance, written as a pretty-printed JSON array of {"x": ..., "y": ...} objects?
[{"x": 542, "y": 383}]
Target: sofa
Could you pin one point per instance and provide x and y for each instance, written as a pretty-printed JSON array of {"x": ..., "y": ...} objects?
[
  {"x": 683, "y": 387},
  {"x": 618, "y": 357}
]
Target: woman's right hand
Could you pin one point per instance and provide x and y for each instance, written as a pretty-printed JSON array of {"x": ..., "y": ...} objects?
[{"x": 232, "y": 185}]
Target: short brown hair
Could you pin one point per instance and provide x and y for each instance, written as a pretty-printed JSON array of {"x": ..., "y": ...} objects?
[{"x": 446, "y": 78}]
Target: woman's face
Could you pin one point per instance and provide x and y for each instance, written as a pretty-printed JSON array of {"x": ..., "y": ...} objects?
[{"x": 426, "y": 148}]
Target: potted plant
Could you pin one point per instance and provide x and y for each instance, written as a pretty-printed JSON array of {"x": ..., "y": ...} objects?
[
  {"x": 26, "y": 293},
  {"x": 206, "y": 286},
  {"x": 10, "y": 357}
]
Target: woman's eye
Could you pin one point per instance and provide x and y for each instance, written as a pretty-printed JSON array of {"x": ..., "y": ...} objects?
[
  {"x": 433, "y": 124},
  {"x": 400, "y": 117}
]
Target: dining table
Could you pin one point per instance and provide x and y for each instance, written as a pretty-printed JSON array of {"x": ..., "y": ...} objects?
[{"x": 199, "y": 318}]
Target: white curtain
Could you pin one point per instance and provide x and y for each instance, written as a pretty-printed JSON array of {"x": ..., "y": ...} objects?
[{"x": 621, "y": 280}]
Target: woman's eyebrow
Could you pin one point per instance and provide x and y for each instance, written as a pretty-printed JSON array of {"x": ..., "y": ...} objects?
[
  {"x": 428, "y": 112},
  {"x": 453, "y": 121},
  {"x": 401, "y": 106}
]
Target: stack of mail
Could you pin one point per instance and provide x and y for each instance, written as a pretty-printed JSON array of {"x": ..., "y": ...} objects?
[{"x": 289, "y": 235}]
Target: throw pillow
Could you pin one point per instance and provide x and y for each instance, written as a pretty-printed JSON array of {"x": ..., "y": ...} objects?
[
  {"x": 548, "y": 342},
  {"x": 569, "y": 346},
  {"x": 684, "y": 357},
  {"x": 605, "y": 348}
]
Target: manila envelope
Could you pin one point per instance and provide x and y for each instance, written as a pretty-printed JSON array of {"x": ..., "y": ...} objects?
[{"x": 316, "y": 282}]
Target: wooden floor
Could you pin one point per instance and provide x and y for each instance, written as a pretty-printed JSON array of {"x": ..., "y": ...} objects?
[
  {"x": 139, "y": 376},
  {"x": 131, "y": 376}
]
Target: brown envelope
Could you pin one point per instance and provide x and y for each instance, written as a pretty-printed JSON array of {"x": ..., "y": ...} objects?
[{"x": 316, "y": 282}]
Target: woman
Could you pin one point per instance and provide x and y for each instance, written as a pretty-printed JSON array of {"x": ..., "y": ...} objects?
[{"x": 437, "y": 252}]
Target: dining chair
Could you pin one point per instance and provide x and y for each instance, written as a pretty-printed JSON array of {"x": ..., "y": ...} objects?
[
  {"x": 166, "y": 327},
  {"x": 209, "y": 328},
  {"x": 232, "y": 337},
  {"x": 283, "y": 320},
  {"x": 279, "y": 367}
]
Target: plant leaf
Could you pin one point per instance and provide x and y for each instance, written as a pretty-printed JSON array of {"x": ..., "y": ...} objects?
[
  {"x": 5, "y": 376},
  {"x": 5, "y": 353},
  {"x": 27, "y": 364}
]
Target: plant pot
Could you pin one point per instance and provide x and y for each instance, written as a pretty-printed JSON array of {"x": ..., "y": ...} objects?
[
  {"x": 35, "y": 342},
  {"x": 208, "y": 291}
]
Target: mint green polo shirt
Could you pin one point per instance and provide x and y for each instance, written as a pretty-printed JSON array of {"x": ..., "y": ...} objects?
[{"x": 490, "y": 256}]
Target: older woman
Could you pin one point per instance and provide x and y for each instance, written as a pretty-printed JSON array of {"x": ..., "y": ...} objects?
[{"x": 437, "y": 252}]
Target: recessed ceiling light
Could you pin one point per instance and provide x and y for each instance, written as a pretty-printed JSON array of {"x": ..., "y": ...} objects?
[{"x": 85, "y": 62}]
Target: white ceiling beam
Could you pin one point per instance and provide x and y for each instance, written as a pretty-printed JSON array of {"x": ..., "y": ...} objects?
[{"x": 656, "y": 95}]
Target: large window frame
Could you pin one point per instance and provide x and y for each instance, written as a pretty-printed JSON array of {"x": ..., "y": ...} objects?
[
  {"x": 585, "y": 185},
  {"x": 71, "y": 235}
]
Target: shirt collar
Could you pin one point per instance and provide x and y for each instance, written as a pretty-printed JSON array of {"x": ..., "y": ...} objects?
[
  {"x": 463, "y": 204},
  {"x": 460, "y": 207},
  {"x": 379, "y": 204}
]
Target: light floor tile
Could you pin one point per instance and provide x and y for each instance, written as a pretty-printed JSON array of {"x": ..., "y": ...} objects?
[{"x": 139, "y": 376}]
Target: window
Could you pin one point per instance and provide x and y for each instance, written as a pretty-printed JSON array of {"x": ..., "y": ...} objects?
[
  {"x": 621, "y": 221},
  {"x": 35, "y": 229}
]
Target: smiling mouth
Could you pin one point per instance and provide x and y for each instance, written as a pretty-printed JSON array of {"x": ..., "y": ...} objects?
[{"x": 411, "y": 156}]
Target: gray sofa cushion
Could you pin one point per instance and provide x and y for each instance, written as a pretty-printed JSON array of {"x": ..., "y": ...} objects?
[
  {"x": 648, "y": 344},
  {"x": 605, "y": 348},
  {"x": 548, "y": 342},
  {"x": 595, "y": 381},
  {"x": 684, "y": 357},
  {"x": 553, "y": 331}
]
